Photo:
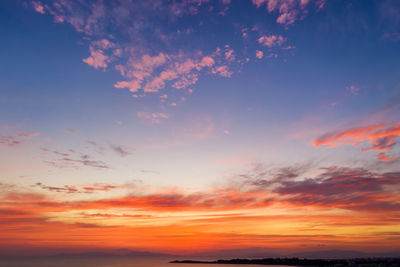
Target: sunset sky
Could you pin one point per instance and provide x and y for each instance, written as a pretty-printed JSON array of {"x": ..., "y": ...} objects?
[{"x": 183, "y": 126}]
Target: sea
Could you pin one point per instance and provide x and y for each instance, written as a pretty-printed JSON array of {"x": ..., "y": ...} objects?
[{"x": 102, "y": 262}]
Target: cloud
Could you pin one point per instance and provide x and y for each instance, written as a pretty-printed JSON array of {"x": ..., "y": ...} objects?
[
  {"x": 38, "y": 7},
  {"x": 97, "y": 59},
  {"x": 179, "y": 71},
  {"x": 152, "y": 117},
  {"x": 72, "y": 131},
  {"x": 16, "y": 139},
  {"x": 353, "y": 89},
  {"x": 82, "y": 189},
  {"x": 259, "y": 54},
  {"x": 66, "y": 161},
  {"x": 57, "y": 153},
  {"x": 229, "y": 53},
  {"x": 271, "y": 40},
  {"x": 121, "y": 151},
  {"x": 379, "y": 137},
  {"x": 310, "y": 209},
  {"x": 222, "y": 71},
  {"x": 148, "y": 63},
  {"x": 335, "y": 187},
  {"x": 385, "y": 158},
  {"x": 353, "y": 189},
  {"x": 289, "y": 10}
]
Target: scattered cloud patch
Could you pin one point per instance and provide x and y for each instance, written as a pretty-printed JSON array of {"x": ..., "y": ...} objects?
[
  {"x": 16, "y": 139},
  {"x": 289, "y": 10},
  {"x": 271, "y": 40},
  {"x": 154, "y": 118},
  {"x": 72, "y": 131},
  {"x": 259, "y": 54},
  {"x": 353, "y": 89},
  {"x": 38, "y": 7},
  {"x": 121, "y": 151},
  {"x": 118, "y": 41}
]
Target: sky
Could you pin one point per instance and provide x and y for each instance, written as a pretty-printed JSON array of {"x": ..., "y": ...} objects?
[{"x": 182, "y": 126}]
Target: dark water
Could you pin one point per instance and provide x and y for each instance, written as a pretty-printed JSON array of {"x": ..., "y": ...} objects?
[{"x": 99, "y": 262}]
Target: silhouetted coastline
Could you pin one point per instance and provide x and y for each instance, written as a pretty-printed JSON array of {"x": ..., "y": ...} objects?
[{"x": 382, "y": 262}]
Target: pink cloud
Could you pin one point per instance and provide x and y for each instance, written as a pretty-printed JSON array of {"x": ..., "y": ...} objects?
[
  {"x": 289, "y": 10},
  {"x": 379, "y": 138},
  {"x": 229, "y": 53},
  {"x": 152, "y": 117},
  {"x": 38, "y": 7},
  {"x": 385, "y": 158},
  {"x": 180, "y": 70},
  {"x": 16, "y": 139},
  {"x": 222, "y": 71},
  {"x": 207, "y": 61},
  {"x": 133, "y": 85},
  {"x": 287, "y": 18},
  {"x": 259, "y": 54},
  {"x": 145, "y": 69},
  {"x": 259, "y": 3},
  {"x": 272, "y": 40},
  {"x": 97, "y": 59},
  {"x": 353, "y": 134},
  {"x": 353, "y": 89}
]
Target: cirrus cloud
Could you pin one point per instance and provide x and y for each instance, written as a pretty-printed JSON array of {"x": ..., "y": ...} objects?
[{"x": 379, "y": 137}]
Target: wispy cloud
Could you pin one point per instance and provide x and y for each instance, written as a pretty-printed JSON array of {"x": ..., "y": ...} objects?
[
  {"x": 152, "y": 117},
  {"x": 83, "y": 160},
  {"x": 16, "y": 139},
  {"x": 121, "y": 150},
  {"x": 345, "y": 188},
  {"x": 353, "y": 89},
  {"x": 72, "y": 159},
  {"x": 73, "y": 131},
  {"x": 379, "y": 137},
  {"x": 82, "y": 189},
  {"x": 335, "y": 198}
]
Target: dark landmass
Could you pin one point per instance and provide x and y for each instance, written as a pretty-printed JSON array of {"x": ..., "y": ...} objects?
[{"x": 382, "y": 262}]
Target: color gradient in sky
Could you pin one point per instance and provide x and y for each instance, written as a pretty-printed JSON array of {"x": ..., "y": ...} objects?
[{"x": 182, "y": 126}]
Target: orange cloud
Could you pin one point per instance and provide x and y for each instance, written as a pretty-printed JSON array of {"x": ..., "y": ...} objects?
[
  {"x": 246, "y": 213},
  {"x": 383, "y": 157},
  {"x": 379, "y": 137}
]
